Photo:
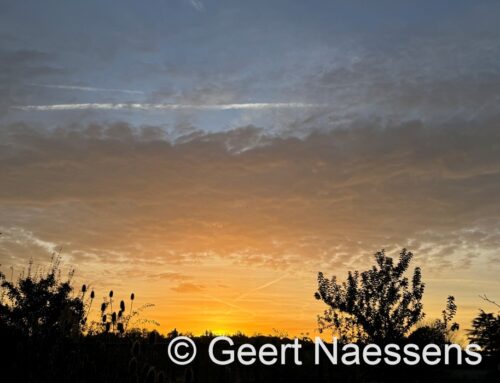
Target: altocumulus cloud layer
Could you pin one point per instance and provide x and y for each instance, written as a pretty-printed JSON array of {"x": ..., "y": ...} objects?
[{"x": 115, "y": 192}]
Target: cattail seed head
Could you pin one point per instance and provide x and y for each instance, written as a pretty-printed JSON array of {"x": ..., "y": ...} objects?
[
  {"x": 92, "y": 294},
  {"x": 122, "y": 305},
  {"x": 113, "y": 317},
  {"x": 84, "y": 288},
  {"x": 103, "y": 307},
  {"x": 132, "y": 296},
  {"x": 104, "y": 318},
  {"x": 111, "y": 294}
]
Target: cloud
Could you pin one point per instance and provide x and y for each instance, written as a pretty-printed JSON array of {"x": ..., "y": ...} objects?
[
  {"x": 156, "y": 107},
  {"x": 170, "y": 276},
  {"x": 187, "y": 287},
  {"x": 197, "y": 4},
  {"x": 88, "y": 88},
  {"x": 328, "y": 199},
  {"x": 138, "y": 208},
  {"x": 27, "y": 239}
]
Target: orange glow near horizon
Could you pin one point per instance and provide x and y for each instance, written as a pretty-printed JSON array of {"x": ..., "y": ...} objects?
[{"x": 224, "y": 298}]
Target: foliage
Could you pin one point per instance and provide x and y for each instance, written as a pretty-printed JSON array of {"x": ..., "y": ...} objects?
[
  {"x": 439, "y": 331},
  {"x": 378, "y": 305},
  {"x": 428, "y": 334},
  {"x": 41, "y": 305},
  {"x": 486, "y": 332},
  {"x": 449, "y": 313},
  {"x": 119, "y": 321}
]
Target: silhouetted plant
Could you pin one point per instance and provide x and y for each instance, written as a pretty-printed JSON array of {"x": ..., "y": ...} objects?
[
  {"x": 112, "y": 321},
  {"x": 87, "y": 305},
  {"x": 486, "y": 332},
  {"x": 427, "y": 334},
  {"x": 132, "y": 298},
  {"x": 439, "y": 331},
  {"x": 378, "y": 305},
  {"x": 41, "y": 305},
  {"x": 117, "y": 322}
]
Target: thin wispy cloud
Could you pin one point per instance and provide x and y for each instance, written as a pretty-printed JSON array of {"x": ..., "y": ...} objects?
[
  {"x": 197, "y": 4},
  {"x": 87, "y": 88},
  {"x": 159, "y": 107}
]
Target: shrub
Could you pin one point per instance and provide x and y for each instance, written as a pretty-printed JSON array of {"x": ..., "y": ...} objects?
[{"x": 41, "y": 305}]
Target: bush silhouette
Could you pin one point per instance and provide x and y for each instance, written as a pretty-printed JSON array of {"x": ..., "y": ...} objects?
[
  {"x": 440, "y": 331},
  {"x": 378, "y": 305},
  {"x": 41, "y": 305}
]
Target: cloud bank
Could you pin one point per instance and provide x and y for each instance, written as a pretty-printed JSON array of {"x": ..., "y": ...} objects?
[{"x": 116, "y": 191}]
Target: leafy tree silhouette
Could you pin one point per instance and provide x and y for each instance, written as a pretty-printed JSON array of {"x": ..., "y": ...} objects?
[
  {"x": 378, "y": 305},
  {"x": 41, "y": 306},
  {"x": 486, "y": 330}
]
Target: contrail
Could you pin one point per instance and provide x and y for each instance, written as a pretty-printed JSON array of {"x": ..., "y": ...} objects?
[
  {"x": 88, "y": 88},
  {"x": 247, "y": 293},
  {"x": 261, "y": 287},
  {"x": 229, "y": 304},
  {"x": 160, "y": 107}
]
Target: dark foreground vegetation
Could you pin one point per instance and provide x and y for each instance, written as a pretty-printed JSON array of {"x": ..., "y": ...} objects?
[{"x": 47, "y": 335}]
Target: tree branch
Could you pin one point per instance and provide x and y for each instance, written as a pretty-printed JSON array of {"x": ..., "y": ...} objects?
[{"x": 485, "y": 298}]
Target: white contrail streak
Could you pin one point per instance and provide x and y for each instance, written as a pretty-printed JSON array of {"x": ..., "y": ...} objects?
[
  {"x": 249, "y": 292},
  {"x": 88, "y": 88},
  {"x": 159, "y": 107},
  {"x": 261, "y": 287}
]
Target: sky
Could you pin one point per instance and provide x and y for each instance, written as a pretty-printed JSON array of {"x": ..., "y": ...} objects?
[{"x": 213, "y": 156}]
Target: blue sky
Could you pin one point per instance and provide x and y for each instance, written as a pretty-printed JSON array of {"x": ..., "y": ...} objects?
[{"x": 361, "y": 59}]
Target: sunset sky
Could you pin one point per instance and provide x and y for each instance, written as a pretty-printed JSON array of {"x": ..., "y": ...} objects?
[{"x": 213, "y": 156}]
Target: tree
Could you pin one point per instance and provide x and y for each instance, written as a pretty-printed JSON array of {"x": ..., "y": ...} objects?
[
  {"x": 40, "y": 305},
  {"x": 378, "y": 305},
  {"x": 486, "y": 332}
]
